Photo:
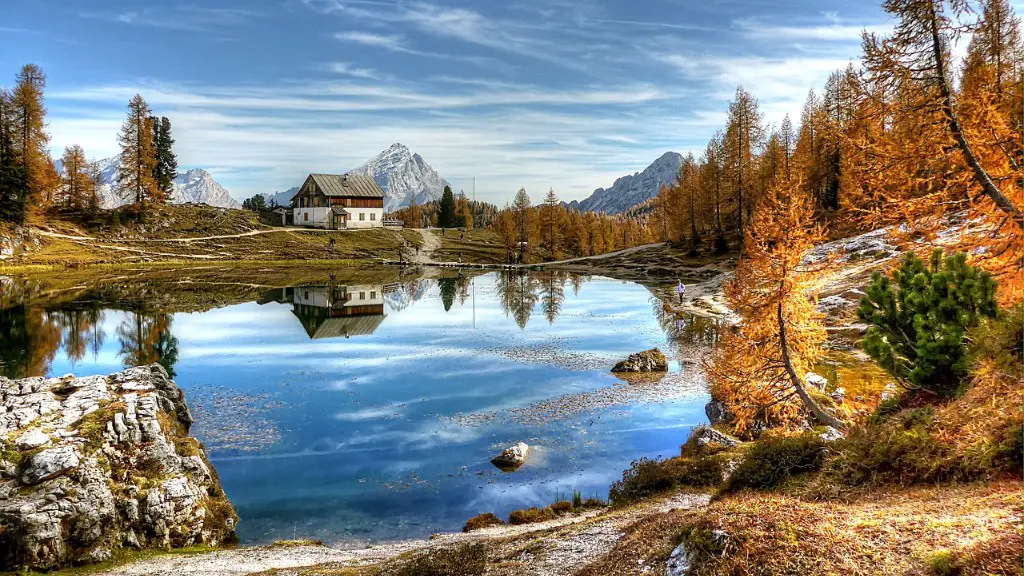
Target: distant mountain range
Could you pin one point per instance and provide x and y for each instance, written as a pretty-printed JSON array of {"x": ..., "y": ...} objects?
[
  {"x": 195, "y": 186},
  {"x": 401, "y": 174},
  {"x": 628, "y": 191}
]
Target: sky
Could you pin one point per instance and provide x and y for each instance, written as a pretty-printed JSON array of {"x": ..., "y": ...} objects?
[{"x": 542, "y": 94}]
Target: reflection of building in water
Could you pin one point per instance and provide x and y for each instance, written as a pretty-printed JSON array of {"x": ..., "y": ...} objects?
[{"x": 338, "y": 311}]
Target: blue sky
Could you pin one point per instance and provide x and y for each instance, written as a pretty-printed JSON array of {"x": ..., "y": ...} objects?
[{"x": 536, "y": 93}]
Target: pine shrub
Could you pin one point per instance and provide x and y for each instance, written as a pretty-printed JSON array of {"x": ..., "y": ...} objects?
[{"x": 920, "y": 316}]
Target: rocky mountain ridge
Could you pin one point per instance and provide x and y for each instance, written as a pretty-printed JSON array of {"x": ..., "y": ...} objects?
[
  {"x": 196, "y": 186},
  {"x": 630, "y": 190}
]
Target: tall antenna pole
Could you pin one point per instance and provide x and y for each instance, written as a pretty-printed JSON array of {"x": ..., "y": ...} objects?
[{"x": 474, "y": 188}]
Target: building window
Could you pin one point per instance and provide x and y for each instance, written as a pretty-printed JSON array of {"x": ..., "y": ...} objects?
[
  {"x": 362, "y": 216},
  {"x": 373, "y": 295},
  {"x": 305, "y": 216},
  {"x": 362, "y": 295},
  {"x": 373, "y": 215}
]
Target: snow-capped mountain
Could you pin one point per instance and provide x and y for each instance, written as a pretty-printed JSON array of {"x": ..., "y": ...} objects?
[
  {"x": 628, "y": 191},
  {"x": 196, "y": 186},
  {"x": 403, "y": 176}
]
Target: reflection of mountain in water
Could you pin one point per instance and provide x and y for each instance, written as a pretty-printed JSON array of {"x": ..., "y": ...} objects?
[{"x": 335, "y": 311}]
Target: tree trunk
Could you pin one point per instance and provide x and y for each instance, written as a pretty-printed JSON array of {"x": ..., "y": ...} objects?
[
  {"x": 980, "y": 174},
  {"x": 798, "y": 384}
]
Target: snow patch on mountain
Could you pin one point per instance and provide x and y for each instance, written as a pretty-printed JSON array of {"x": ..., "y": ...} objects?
[
  {"x": 195, "y": 186},
  {"x": 628, "y": 191},
  {"x": 403, "y": 176}
]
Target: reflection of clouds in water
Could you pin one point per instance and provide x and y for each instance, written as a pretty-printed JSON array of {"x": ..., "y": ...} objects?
[{"x": 370, "y": 414}]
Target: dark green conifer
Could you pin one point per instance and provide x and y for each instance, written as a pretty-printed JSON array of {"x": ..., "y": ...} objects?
[{"x": 920, "y": 316}]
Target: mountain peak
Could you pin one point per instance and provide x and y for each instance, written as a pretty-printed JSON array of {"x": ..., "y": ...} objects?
[
  {"x": 633, "y": 189},
  {"x": 403, "y": 176},
  {"x": 196, "y": 186}
]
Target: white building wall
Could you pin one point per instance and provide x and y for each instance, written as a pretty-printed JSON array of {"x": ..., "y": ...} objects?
[
  {"x": 371, "y": 217},
  {"x": 365, "y": 295},
  {"x": 320, "y": 217},
  {"x": 316, "y": 217},
  {"x": 312, "y": 296}
]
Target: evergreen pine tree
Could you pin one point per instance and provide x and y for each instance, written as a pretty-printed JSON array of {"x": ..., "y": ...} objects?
[
  {"x": 13, "y": 182},
  {"x": 918, "y": 326},
  {"x": 446, "y": 210},
  {"x": 166, "y": 169}
]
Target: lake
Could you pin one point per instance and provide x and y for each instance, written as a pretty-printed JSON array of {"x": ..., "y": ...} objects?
[{"x": 354, "y": 411}]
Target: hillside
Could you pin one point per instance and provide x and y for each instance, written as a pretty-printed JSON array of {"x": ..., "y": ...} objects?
[{"x": 190, "y": 233}]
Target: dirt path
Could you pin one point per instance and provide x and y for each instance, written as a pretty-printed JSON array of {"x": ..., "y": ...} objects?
[
  {"x": 622, "y": 252},
  {"x": 430, "y": 244},
  {"x": 189, "y": 238},
  {"x": 555, "y": 548}
]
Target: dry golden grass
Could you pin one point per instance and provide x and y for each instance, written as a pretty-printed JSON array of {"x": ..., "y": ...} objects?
[{"x": 882, "y": 532}]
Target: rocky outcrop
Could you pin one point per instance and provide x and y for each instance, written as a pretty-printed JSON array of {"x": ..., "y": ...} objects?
[
  {"x": 91, "y": 465},
  {"x": 512, "y": 457},
  {"x": 647, "y": 361},
  {"x": 717, "y": 412}
]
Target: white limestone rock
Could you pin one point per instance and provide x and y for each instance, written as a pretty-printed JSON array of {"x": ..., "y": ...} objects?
[{"x": 70, "y": 495}]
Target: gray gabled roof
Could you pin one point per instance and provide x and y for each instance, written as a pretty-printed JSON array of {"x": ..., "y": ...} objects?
[{"x": 347, "y": 185}]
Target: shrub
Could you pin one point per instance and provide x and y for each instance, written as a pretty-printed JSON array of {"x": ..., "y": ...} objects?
[
  {"x": 888, "y": 454},
  {"x": 646, "y": 477},
  {"x": 885, "y": 409},
  {"x": 593, "y": 503},
  {"x": 771, "y": 460},
  {"x": 531, "y": 515},
  {"x": 561, "y": 507},
  {"x": 918, "y": 326},
  {"x": 942, "y": 563},
  {"x": 463, "y": 560},
  {"x": 482, "y": 521},
  {"x": 577, "y": 499}
]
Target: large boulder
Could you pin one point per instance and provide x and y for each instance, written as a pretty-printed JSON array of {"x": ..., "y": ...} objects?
[
  {"x": 512, "y": 457},
  {"x": 647, "y": 361},
  {"x": 90, "y": 465}
]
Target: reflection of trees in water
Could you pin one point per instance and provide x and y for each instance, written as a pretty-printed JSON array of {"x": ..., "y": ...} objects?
[
  {"x": 29, "y": 339},
  {"x": 519, "y": 292},
  {"x": 452, "y": 287},
  {"x": 82, "y": 331},
  {"x": 147, "y": 338},
  {"x": 691, "y": 330},
  {"x": 552, "y": 293},
  {"x": 449, "y": 286}
]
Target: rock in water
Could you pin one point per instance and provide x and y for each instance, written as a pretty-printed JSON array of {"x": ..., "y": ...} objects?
[
  {"x": 90, "y": 465},
  {"x": 647, "y": 361},
  {"x": 513, "y": 457},
  {"x": 716, "y": 412}
]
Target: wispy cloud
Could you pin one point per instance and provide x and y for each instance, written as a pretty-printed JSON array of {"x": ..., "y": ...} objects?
[
  {"x": 391, "y": 42},
  {"x": 346, "y": 69},
  {"x": 186, "y": 17}
]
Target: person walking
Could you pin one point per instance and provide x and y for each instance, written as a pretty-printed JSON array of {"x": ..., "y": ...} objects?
[{"x": 681, "y": 289}]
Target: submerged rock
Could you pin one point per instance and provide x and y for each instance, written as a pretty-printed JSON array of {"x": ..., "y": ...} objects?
[
  {"x": 91, "y": 465},
  {"x": 647, "y": 361},
  {"x": 512, "y": 457},
  {"x": 816, "y": 380}
]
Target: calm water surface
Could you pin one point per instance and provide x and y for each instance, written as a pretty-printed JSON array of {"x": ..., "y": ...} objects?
[{"x": 356, "y": 412}]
